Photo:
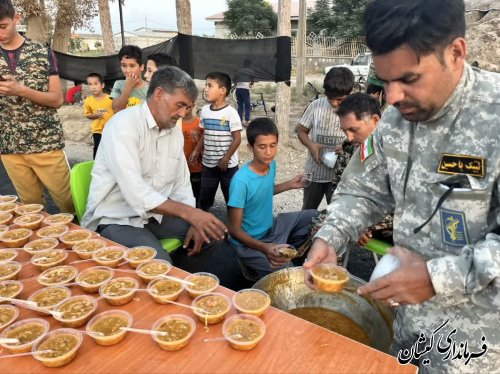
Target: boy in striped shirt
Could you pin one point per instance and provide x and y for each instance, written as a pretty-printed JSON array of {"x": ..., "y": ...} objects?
[{"x": 220, "y": 140}]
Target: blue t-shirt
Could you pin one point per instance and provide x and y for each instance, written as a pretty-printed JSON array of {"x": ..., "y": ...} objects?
[{"x": 254, "y": 194}]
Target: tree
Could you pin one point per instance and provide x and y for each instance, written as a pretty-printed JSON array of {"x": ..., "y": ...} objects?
[
  {"x": 249, "y": 17},
  {"x": 340, "y": 18},
  {"x": 35, "y": 19},
  {"x": 106, "y": 28},
  {"x": 183, "y": 11}
]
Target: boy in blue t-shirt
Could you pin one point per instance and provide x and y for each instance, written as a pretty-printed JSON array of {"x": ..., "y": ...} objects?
[{"x": 256, "y": 236}]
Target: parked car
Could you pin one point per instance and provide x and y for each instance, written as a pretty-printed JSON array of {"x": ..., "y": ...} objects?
[{"x": 360, "y": 66}]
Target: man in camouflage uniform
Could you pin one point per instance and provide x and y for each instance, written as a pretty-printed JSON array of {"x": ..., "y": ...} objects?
[
  {"x": 31, "y": 136},
  {"x": 436, "y": 161}
]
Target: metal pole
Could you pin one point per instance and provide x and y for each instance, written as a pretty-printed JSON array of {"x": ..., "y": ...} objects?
[
  {"x": 301, "y": 49},
  {"x": 120, "y": 3}
]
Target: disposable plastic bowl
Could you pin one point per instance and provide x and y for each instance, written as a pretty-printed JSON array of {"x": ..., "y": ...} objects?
[
  {"x": 179, "y": 328},
  {"x": 22, "y": 328},
  {"x": 204, "y": 283},
  {"x": 70, "y": 337},
  {"x": 243, "y": 331},
  {"x": 109, "y": 335}
]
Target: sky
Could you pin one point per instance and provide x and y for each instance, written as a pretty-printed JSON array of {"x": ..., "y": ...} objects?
[{"x": 138, "y": 13}]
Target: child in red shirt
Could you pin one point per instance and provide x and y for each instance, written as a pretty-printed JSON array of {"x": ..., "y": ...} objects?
[{"x": 192, "y": 134}]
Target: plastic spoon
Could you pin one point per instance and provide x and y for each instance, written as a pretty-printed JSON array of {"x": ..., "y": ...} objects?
[
  {"x": 27, "y": 353},
  {"x": 143, "y": 331}
]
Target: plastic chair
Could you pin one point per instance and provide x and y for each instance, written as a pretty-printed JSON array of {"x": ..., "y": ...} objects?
[{"x": 80, "y": 178}]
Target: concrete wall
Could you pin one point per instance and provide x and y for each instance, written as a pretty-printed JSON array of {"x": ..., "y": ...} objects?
[{"x": 316, "y": 65}]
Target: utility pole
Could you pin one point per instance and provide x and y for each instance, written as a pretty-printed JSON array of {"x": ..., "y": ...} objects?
[
  {"x": 282, "y": 89},
  {"x": 301, "y": 49},
  {"x": 120, "y": 3}
]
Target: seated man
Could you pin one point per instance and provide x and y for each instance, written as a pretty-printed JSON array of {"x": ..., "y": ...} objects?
[
  {"x": 255, "y": 235},
  {"x": 140, "y": 190}
]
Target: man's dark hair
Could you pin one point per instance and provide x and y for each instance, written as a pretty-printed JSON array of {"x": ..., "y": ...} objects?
[
  {"x": 171, "y": 78},
  {"x": 361, "y": 104},
  {"x": 7, "y": 9},
  {"x": 222, "y": 79},
  {"x": 162, "y": 59},
  {"x": 261, "y": 126},
  {"x": 339, "y": 81},
  {"x": 131, "y": 51},
  {"x": 427, "y": 26},
  {"x": 96, "y": 75},
  {"x": 373, "y": 88}
]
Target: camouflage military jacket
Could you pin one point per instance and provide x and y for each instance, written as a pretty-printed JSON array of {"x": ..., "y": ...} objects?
[
  {"x": 26, "y": 127},
  {"x": 441, "y": 177}
]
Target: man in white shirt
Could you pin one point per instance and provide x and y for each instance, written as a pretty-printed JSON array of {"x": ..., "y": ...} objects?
[{"x": 140, "y": 190}]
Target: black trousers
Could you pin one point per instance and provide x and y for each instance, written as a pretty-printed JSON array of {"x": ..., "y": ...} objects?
[{"x": 210, "y": 179}]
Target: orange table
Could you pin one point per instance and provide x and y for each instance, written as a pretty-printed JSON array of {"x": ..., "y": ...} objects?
[{"x": 290, "y": 345}]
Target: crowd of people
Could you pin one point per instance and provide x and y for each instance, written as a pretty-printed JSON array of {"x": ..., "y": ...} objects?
[{"x": 429, "y": 163}]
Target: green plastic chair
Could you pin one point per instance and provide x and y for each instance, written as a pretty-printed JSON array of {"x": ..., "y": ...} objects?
[{"x": 80, "y": 178}]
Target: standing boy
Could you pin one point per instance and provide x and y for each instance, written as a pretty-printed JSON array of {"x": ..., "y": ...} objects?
[
  {"x": 132, "y": 90},
  {"x": 192, "y": 136},
  {"x": 97, "y": 107},
  {"x": 255, "y": 235},
  {"x": 319, "y": 130},
  {"x": 156, "y": 61},
  {"x": 221, "y": 139},
  {"x": 31, "y": 136}
]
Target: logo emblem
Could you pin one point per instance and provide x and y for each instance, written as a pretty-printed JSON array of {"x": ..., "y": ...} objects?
[{"x": 454, "y": 227}]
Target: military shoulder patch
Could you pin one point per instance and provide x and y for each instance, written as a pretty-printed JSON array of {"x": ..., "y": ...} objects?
[
  {"x": 454, "y": 227},
  {"x": 462, "y": 164},
  {"x": 366, "y": 149}
]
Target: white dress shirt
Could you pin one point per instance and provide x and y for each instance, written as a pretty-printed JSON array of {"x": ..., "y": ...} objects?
[{"x": 137, "y": 167}]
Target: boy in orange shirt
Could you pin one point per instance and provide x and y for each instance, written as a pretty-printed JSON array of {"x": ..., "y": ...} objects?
[
  {"x": 192, "y": 135},
  {"x": 97, "y": 107}
]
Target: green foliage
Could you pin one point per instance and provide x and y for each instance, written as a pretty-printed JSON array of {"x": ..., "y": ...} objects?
[
  {"x": 248, "y": 17},
  {"x": 341, "y": 18}
]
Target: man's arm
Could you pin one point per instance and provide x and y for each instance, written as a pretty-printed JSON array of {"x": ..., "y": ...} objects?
[
  {"x": 53, "y": 98},
  {"x": 235, "y": 218}
]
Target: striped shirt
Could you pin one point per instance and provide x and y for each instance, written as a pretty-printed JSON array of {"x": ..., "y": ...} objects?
[
  {"x": 324, "y": 125},
  {"x": 218, "y": 125}
]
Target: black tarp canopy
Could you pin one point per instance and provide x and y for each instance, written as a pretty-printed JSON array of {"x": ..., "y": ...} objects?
[{"x": 269, "y": 58}]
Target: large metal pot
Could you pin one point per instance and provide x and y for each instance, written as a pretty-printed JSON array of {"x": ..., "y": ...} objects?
[{"x": 288, "y": 291}]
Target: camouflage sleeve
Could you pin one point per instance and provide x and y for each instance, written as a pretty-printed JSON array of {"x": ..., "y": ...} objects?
[
  {"x": 362, "y": 198},
  {"x": 475, "y": 272}
]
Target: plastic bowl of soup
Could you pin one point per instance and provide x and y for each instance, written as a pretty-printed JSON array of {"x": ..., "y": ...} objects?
[
  {"x": 164, "y": 290},
  {"x": 58, "y": 275},
  {"x": 74, "y": 236},
  {"x": 28, "y": 209},
  {"x": 8, "y": 254},
  {"x": 9, "y": 270},
  {"x": 211, "y": 308},
  {"x": 109, "y": 256},
  {"x": 8, "y": 207},
  {"x": 92, "y": 278},
  {"x": 106, "y": 327},
  {"x": 85, "y": 249},
  {"x": 243, "y": 331},
  {"x": 63, "y": 345},
  {"x": 53, "y": 231},
  {"x": 47, "y": 259},
  {"x": 59, "y": 219},
  {"x": 138, "y": 255},
  {"x": 31, "y": 221},
  {"x": 38, "y": 245},
  {"x": 119, "y": 291},
  {"x": 251, "y": 301},
  {"x": 5, "y": 218},
  {"x": 173, "y": 332},
  {"x": 28, "y": 332},
  {"x": 329, "y": 277},
  {"x": 203, "y": 283},
  {"x": 75, "y": 311},
  {"x": 10, "y": 289},
  {"x": 15, "y": 238},
  {"x": 49, "y": 297},
  {"x": 8, "y": 199},
  {"x": 8, "y": 314},
  {"x": 152, "y": 269}
]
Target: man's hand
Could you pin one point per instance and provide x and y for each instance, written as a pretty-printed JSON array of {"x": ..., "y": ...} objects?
[
  {"x": 196, "y": 237},
  {"x": 222, "y": 164},
  {"x": 9, "y": 86},
  {"x": 132, "y": 80},
  {"x": 208, "y": 226},
  {"x": 364, "y": 238},
  {"x": 408, "y": 284},
  {"x": 315, "y": 150},
  {"x": 320, "y": 252},
  {"x": 276, "y": 259}
]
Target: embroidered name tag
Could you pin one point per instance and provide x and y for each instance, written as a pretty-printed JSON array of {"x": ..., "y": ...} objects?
[
  {"x": 454, "y": 227},
  {"x": 366, "y": 149},
  {"x": 462, "y": 164}
]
